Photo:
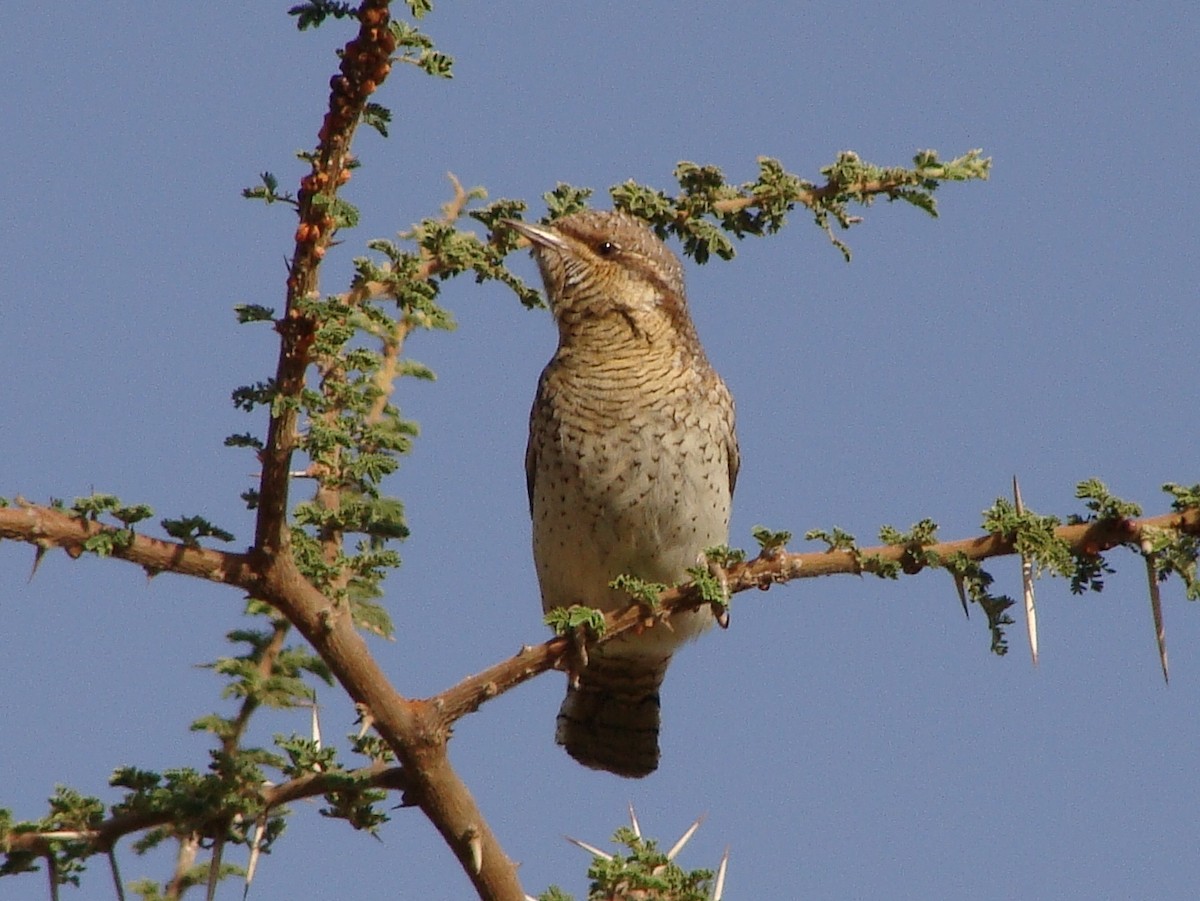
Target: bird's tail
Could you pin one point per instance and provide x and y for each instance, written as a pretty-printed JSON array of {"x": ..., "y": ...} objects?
[{"x": 610, "y": 721}]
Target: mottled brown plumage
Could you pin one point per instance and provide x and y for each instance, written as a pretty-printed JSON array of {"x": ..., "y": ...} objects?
[{"x": 631, "y": 465}]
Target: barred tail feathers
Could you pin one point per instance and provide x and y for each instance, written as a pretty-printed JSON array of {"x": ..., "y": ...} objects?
[{"x": 611, "y": 720}]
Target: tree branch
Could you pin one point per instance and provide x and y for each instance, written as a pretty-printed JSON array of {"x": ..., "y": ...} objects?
[
  {"x": 47, "y": 527},
  {"x": 366, "y": 62},
  {"x": 776, "y": 568},
  {"x": 105, "y": 835}
]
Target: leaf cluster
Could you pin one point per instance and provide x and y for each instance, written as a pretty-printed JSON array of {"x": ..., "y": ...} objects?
[{"x": 642, "y": 870}]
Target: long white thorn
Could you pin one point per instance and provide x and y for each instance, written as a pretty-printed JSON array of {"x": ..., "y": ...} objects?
[
  {"x": 1027, "y": 584},
  {"x": 719, "y": 884},
  {"x": 591, "y": 849},
  {"x": 1160, "y": 631},
  {"x": 685, "y": 838}
]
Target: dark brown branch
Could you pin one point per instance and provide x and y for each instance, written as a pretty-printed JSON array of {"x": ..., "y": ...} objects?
[{"x": 366, "y": 62}]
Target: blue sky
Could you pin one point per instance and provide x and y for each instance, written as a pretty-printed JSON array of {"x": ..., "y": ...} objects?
[{"x": 847, "y": 738}]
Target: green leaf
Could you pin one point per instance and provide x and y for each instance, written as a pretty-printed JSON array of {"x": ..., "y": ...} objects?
[
  {"x": 252, "y": 312},
  {"x": 313, "y": 13},
  {"x": 768, "y": 540},
  {"x": 639, "y": 590},
  {"x": 378, "y": 117},
  {"x": 189, "y": 529},
  {"x": 566, "y": 619}
]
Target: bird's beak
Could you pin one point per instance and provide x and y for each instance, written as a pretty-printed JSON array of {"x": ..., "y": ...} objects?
[{"x": 538, "y": 235}]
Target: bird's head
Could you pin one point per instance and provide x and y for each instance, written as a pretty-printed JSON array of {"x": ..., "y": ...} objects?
[{"x": 598, "y": 264}]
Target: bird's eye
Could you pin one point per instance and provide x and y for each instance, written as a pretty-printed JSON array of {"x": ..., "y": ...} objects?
[{"x": 607, "y": 248}]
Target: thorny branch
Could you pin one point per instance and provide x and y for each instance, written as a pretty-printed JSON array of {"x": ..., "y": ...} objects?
[
  {"x": 778, "y": 567},
  {"x": 110, "y": 831}
]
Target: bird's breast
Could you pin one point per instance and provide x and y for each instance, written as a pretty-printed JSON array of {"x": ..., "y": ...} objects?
[{"x": 631, "y": 476}]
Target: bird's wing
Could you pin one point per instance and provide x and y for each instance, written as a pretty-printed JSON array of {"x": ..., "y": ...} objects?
[
  {"x": 735, "y": 459},
  {"x": 531, "y": 462},
  {"x": 531, "y": 448}
]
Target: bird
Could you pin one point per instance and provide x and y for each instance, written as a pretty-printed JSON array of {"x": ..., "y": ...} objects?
[{"x": 630, "y": 467}]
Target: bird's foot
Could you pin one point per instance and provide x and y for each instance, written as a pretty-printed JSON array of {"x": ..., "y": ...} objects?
[{"x": 720, "y": 608}]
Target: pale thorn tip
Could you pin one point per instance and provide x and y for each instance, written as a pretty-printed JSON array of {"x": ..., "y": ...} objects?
[
  {"x": 1027, "y": 584},
  {"x": 475, "y": 847},
  {"x": 633, "y": 821},
  {"x": 1160, "y": 632},
  {"x": 260, "y": 826},
  {"x": 591, "y": 849},
  {"x": 719, "y": 882},
  {"x": 686, "y": 837},
  {"x": 316, "y": 722}
]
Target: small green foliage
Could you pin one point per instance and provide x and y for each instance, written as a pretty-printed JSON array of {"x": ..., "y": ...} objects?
[
  {"x": 378, "y": 117},
  {"x": 108, "y": 542},
  {"x": 774, "y": 192},
  {"x": 366, "y": 613},
  {"x": 567, "y": 619},
  {"x": 247, "y": 397},
  {"x": 1175, "y": 553},
  {"x": 837, "y": 539},
  {"x": 457, "y": 252},
  {"x": 431, "y": 62},
  {"x": 643, "y": 872},
  {"x": 724, "y": 556},
  {"x": 711, "y": 589},
  {"x": 268, "y": 191},
  {"x": 372, "y": 747},
  {"x": 703, "y": 187},
  {"x": 1033, "y": 536},
  {"x": 914, "y": 541},
  {"x": 313, "y": 13},
  {"x": 975, "y": 581},
  {"x": 244, "y": 439},
  {"x": 566, "y": 199},
  {"x": 419, "y": 51},
  {"x": 70, "y": 811},
  {"x": 305, "y": 756},
  {"x": 921, "y": 534},
  {"x": 760, "y": 207},
  {"x": 353, "y": 799},
  {"x": 878, "y": 565},
  {"x": 1102, "y": 503},
  {"x": 1186, "y": 497},
  {"x": 195, "y": 877},
  {"x": 379, "y": 517},
  {"x": 283, "y": 687},
  {"x": 649, "y": 204},
  {"x": 132, "y": 514},
  {"x": 343, "y": 213},
  {"x": 93, "y": 505},
  {"x": 190, "y": 529},
  {"x": 252, "y": 312},
  {"x": 639, "y": 590},
  {"x": 418, "y": 8},
  {"x": 769, "y": 541}
]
